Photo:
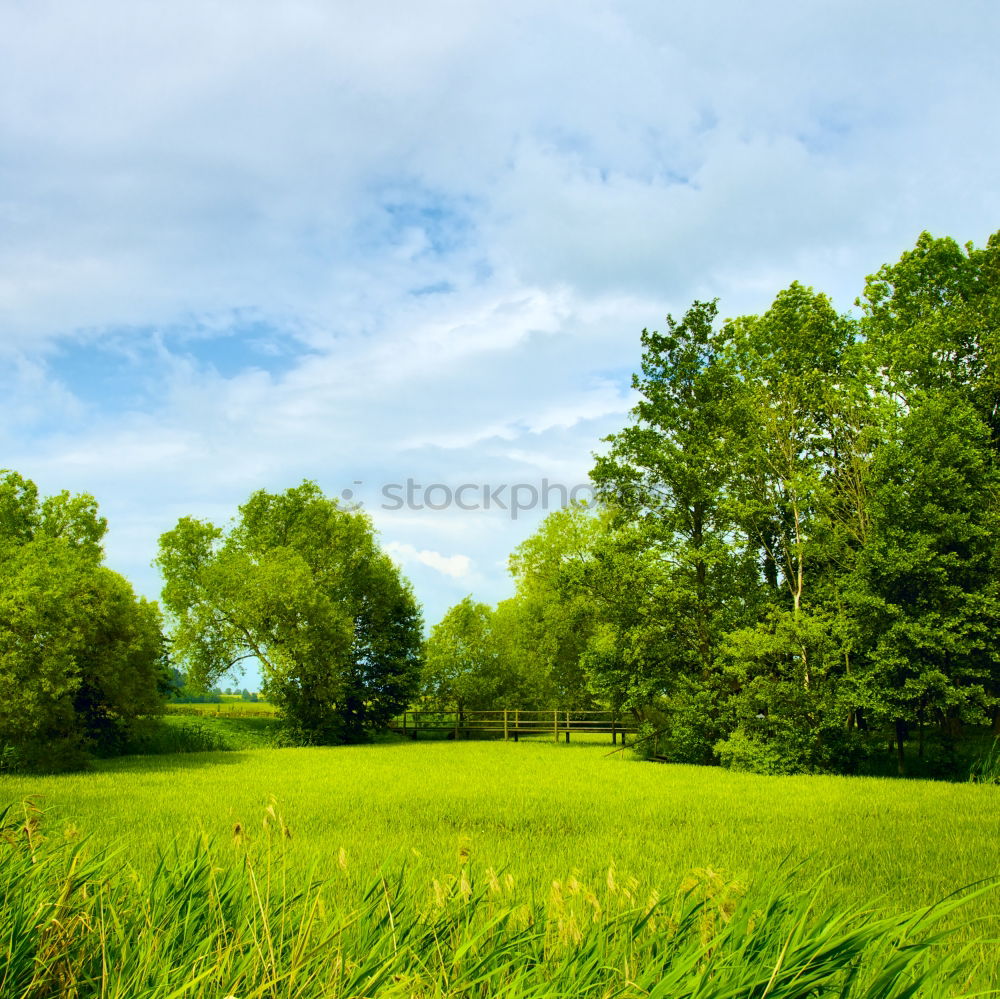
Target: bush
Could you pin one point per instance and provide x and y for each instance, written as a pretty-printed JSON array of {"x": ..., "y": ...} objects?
[
  {"x": 158, "y": 737},
  {"x": 986, "y": 769},
  {"x": 741, "y": 752},
  {"x": 788, "y": 750}
]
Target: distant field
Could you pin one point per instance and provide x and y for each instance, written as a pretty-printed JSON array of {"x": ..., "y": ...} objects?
[{"x": 228, "y": 708}]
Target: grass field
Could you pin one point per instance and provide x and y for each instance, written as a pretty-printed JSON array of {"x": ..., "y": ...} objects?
[
  {"x": 230, "y": 708},
  {"x": 541, "y": 813}
]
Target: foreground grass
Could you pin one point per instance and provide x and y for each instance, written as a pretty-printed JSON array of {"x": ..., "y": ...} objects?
[
  {"x": 231, "y": 919},
  {"x": 542, "y": 813}
]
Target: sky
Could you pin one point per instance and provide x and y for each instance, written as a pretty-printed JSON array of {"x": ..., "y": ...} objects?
[{"x": 378, "y": 244}]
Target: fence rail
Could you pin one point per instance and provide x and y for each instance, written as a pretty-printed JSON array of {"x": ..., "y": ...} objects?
[{"x": 512, "y": 724}]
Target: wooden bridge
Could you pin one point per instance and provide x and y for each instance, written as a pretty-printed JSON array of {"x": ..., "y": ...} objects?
[{"x": 511, "y": 724}]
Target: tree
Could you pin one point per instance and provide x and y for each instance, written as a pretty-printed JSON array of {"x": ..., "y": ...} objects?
[
  {"x": 798, "y": 455},
  {"x": 556, "y": 608},
  {"x": 676, "y": 573},
  {"x": 301, "y": 585},
  {"x": 669, "y": 469},
  {"x": 81, "y": 658},
  {"x": 925, "y": 588},
  {"x": 932, "y": 328},
  {"x": 932, "y": 323},
  {"x": 461, "y": 667}
]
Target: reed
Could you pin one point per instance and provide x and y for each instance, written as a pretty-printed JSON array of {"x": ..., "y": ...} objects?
[{"x": 235, "y": 919}]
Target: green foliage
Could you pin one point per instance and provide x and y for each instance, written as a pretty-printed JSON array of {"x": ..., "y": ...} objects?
[
  {"x": 666, "y": 474},
  {"x": 545, "y": 628},
  {"x": 81, "y": 658},
  {"x": 695, "y": 716},
  {"x": 932, "y": 323},
  {"x": 926, "y": 595},
  {"x": 176, "y": 735},
  {"x": 797, "y": 546},
  {"x": 821, "y": 493},
  {"x": 302, "y": 586},
  {"x": 986, "y": 769},
  {"x": 461, "y": 667}
]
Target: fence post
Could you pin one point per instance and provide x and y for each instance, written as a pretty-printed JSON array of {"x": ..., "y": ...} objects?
[
  {"x": 555, "y": 725},
  {"x": 517, "y": 723},
  {"x": 404, "y": 723},
  {"x": 458, "y": 716},
  {"x": 567, "y": 726},
  {"x": 506, "y": 734},
  {"x": 614, "y": 733}
]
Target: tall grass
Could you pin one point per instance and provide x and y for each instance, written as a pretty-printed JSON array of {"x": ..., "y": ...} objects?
[
  {"x": 986, "y": 769},
  {"x": 201, "y": 733},
  {"x": 230, "y": 919}
]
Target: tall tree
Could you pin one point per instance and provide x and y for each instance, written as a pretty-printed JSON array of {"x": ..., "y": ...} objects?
[
  {"x": 797, "y": 497},
  {"x": 926, "y": 589},
  {"x": 81, "y": 658},
  {"x": 668, "y": 472},
  {"x": 932, "y": 329},
  {"x": 301, "y": 585}
]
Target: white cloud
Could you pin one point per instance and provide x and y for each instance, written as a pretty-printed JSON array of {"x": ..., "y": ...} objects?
[
  {"x": 447, "y": 225},
  {"x": 456, "y": 566}
]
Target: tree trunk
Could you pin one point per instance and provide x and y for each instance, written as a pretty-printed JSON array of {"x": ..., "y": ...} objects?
[
  {"x": 701, "y": 582},
  {"x": 900, "y": 753}
]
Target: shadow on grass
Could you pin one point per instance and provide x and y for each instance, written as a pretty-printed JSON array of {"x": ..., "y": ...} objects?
[{"x": 166, "y": 763}]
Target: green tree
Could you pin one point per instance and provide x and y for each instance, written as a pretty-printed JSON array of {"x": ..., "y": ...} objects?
[
  {"x": 556, "y": 608},
  {"x": 81, "y": 658},
  {"x": 301, "y": 585},
  {"x": 676, "y": 574},
  {"x": 669, "y": 471},
  {"x": 932, "y": 323},
  {"x": 925, "y": 588},
  {"x": 932, "y": 326},
  {"x": 461, "y": 667},
  {"x": 796, "y": 497}
]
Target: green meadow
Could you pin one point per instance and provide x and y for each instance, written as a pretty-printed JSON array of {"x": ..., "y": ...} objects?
[
  {"x": 559, "y": 831},
  {"x": 541, "y": 811}
]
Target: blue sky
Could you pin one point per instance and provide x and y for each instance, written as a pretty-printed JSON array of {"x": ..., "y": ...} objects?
[{"x": 247, "y": 243}]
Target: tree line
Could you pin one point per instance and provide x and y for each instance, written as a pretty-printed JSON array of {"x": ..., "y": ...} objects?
[
  {"x": 793, "y": 558},
  {"x": 795, "y": 554},
  {"x": 296, "y": 582}
]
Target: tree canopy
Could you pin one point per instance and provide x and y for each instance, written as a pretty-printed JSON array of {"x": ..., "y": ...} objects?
[
  {"x": 81, "y": 657},
  {"x": 797, "y": 544},
  {"x": 301, "y": 585}
]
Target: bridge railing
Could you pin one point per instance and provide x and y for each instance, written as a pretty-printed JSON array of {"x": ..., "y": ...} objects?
[{"x": 512, "y": 723}]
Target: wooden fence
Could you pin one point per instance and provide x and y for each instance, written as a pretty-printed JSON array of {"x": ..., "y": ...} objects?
[{"x": 511, "y": 724}]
